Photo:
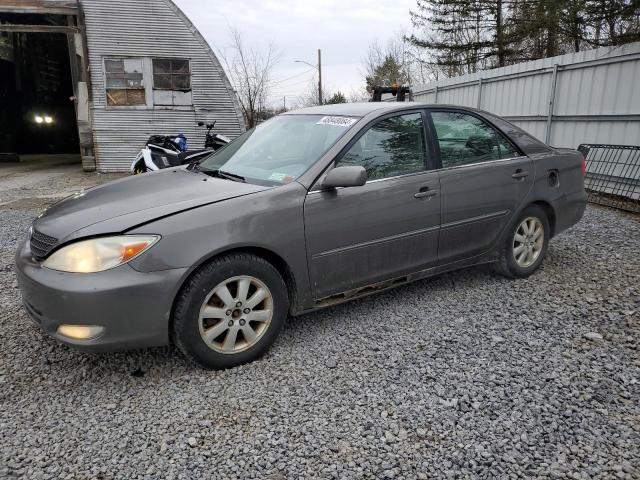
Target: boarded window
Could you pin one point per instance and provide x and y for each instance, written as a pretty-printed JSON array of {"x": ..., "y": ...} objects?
[
  {"x": 171, "y": 74},
  {"x": 124, "y": 82}
]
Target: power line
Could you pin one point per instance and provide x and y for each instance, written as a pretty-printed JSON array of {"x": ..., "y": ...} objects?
[
  {"x": 293, "y": 76},
  {"x": 287, "y": 87}
]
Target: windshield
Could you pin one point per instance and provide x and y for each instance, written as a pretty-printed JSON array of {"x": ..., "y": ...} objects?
[{"x": 279, "y": 150}]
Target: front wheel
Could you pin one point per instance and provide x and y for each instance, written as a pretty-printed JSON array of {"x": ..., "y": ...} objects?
[
  {"x": 139, "y": 168},
  {"x": 525, "y": 244},
  {"x": 230, "y": 311}
]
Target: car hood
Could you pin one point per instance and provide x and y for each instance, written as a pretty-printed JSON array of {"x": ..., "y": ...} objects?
[{"x": 129, "y": 202}]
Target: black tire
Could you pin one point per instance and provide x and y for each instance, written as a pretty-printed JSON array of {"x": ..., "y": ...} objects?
[
  {"x": 507, "y": 264},
  {"x": 139, "y": 168},
  {"x": 185, "y": 328}
]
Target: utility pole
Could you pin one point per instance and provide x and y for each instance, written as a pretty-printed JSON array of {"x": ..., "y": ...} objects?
[
  {"x": 319, "y": 77},
  {"x": 319, "y": 68}
]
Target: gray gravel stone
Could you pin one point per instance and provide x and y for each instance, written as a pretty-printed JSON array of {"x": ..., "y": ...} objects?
[
  {"x": 452, "y": 401},
  {"x": 593, "y": 336}
]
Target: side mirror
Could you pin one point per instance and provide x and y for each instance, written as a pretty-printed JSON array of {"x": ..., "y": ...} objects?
[
  {"x": 353, "y": 176},
  {"x": 201, "y": 124}
]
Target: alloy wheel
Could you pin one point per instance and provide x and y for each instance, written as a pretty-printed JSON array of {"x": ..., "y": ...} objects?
[
  {"x": 528, "y": 242},
  {"x": 235, "y": 314}
]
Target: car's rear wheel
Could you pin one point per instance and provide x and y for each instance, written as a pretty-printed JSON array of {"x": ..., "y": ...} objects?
[
  {"x": 139, "y": 168},
  {"x": 230, "y": 311},
  {"x": 525, "y": 244}
]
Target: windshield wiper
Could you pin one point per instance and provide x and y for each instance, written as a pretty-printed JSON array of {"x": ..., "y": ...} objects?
[
  {"x": 231, "y": 176},
  {"x": 222, "y": 174}
]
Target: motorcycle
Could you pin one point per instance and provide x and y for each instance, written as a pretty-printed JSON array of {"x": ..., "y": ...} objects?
[{"x": 164, "y": 151}]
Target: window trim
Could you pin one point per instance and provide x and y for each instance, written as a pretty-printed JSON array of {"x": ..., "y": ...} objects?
[
  {"x": 436, "y": 143},
  {"x": 429, "y": 163},
  {"x": 153, "y": 74}
]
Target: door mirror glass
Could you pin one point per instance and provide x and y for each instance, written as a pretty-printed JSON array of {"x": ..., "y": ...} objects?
[{"x": 354, "y": 176}]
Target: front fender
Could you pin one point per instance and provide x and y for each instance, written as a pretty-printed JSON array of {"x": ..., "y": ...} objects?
[{"x": 271, "y": 220}]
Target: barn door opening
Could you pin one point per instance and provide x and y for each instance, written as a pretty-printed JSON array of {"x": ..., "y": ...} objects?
[{"x": 42, "y": 118}]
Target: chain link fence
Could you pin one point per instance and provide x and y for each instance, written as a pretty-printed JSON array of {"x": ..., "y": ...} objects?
[{"x": 613, "y": 175}]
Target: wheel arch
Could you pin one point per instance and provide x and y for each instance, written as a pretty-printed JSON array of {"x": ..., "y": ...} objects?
[
  {"x": 270, "y": 256},
  {"x": 550, "y": 212}
]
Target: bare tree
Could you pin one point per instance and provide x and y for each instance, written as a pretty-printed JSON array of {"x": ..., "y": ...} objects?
[
  {"x": 249, "y": 70},
  {"x": 310, "y": 97},
  {"x": 398, "y": 61},
  {"x": 358, "y": 95}
]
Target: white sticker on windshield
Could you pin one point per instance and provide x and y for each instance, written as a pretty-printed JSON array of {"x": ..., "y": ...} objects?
[
  {"x": 337, "y": 121},
  {"x": 277, "y": 176}
]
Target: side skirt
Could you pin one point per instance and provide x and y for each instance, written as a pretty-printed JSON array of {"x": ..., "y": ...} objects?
[{"x": 398, "y": 281}]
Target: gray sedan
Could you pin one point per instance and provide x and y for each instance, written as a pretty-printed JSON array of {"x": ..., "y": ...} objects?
[{"x": 309, "y": 209}]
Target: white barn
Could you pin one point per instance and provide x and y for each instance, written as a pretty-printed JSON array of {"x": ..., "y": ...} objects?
[{"x": 137, "y": 67}]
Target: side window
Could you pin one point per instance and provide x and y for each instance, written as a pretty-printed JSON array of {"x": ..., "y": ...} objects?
[
  {"x": 466, "y": 139},
  {"x": 124, "y": 82},
  {"x": 394, "y": 146}
]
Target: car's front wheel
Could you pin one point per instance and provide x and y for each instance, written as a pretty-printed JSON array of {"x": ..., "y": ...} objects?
[
  {"x": 230, "y": 311},
  {"x": 525, "y": 243}
]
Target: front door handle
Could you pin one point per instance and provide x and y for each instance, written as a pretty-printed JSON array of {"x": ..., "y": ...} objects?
[
  {"x": 425, "y": 192},
  {"x": 520, "y": 174}
]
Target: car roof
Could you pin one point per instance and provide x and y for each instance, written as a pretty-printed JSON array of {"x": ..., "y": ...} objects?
[
  {"x": 527, "y": 143},
  {"x": 364, "y": 108}
]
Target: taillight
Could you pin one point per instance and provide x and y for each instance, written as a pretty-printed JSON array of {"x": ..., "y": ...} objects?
[{"x": 583, "y": 166}]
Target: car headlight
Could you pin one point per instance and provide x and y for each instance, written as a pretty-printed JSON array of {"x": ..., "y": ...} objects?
[{"x": 99, "y": 254}]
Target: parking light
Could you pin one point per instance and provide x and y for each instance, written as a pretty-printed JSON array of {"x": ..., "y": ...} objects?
[{"x": 80, "y": 332}]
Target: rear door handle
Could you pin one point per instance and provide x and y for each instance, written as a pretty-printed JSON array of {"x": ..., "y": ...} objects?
[
  {"x": 520, "y": 174},
  {"x": 425, "y": 192}
]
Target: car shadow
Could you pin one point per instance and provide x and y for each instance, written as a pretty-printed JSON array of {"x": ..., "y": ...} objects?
[{"x": 146, "y": 365}]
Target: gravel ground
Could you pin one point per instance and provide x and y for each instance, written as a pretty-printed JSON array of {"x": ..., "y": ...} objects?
[{"x": 466, "y": 375}]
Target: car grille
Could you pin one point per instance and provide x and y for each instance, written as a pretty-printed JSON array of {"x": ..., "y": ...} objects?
[{"x": 41, "y": 244}]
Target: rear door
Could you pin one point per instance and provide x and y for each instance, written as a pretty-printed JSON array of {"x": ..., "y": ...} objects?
[
  {"x": 386, "y": 228},
  {"x": 484, "y": 179}
]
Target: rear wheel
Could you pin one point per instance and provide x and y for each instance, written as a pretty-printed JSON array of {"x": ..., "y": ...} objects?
[
  {"x": 525, "y": 244},
  {"x": 230, "y": 311}
]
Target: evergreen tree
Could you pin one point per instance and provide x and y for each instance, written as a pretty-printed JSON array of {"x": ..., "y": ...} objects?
[
  {"x": 463, "y": 36},
  {"x": 337, "y": 97},
  {"x": 388, "y": 72}
]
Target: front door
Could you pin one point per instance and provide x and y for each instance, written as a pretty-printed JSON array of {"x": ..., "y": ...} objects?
[
  {"x": 483, "y": 181},
  {"x": 386, "y": 228}
]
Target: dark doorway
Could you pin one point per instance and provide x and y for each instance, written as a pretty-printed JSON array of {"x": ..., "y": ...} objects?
[{"x": 36, "y": 93}]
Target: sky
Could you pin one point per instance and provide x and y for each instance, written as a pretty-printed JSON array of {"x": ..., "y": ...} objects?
[{"x": 342, "y": 29}]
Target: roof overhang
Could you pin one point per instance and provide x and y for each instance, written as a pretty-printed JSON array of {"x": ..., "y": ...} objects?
[{"x": 53, "y": 7}]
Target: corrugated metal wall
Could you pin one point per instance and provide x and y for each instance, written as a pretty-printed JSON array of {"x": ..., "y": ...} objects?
[
  {"x": 152, "y": 28},
  {"x": 596, "y": 97}
]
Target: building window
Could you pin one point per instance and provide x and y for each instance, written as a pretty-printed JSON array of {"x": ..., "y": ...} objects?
[
  {"x": 171, "y": 74},
  {"x": 124, "y": 82}
]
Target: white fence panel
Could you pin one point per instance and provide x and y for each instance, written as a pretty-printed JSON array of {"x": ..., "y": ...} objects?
[{"x": 585, "y": 97}]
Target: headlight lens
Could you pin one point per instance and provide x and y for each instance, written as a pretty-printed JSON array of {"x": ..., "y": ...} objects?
[{"x": 99, "y": 254}]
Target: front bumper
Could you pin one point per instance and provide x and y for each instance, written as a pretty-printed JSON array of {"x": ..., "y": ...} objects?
[{"x": 133, "y": 307}]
